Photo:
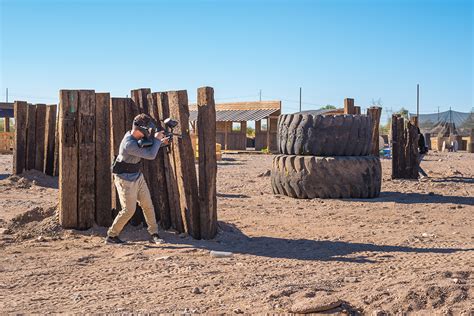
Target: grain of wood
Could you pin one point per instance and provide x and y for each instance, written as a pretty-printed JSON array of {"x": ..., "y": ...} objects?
[
  {"x": 374, "y": 114},
  {"x": 30, "y": 137},
  {"x": 117, "y": 130},
  {"x": 40, "y": 127},
  {"x": 19, "y": 152},
  {"x": 50, "y": 139},
  {"x": 349, "y": 106}
]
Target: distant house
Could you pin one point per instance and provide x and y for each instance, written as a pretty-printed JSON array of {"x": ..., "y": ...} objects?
[{"x": 232, "y": 119}]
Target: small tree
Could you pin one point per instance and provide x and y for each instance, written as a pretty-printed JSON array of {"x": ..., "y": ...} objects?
[
  {"x": 328, "y": 107},
  {"x": 250, "y": 132}
]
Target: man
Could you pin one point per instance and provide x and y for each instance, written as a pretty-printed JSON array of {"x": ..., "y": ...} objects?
[{"x": 128, "y": 179}]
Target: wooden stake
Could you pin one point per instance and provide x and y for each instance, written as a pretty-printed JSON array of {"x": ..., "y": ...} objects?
[
  {"x": 184, "y": 163},
  {"x": 374, "y": 114},
  {"x": 31, "y": 137},
  {"x": 157, "y": 170},
  {"x": 68, "y": 153},
  {"x": 86, "y": 173},
  {"x": 19, "y": 152},
  {"x": 117, "y": 131},
  {"x": 40, "y": 136},
  {"x": 56, "y": 149},
  {"x": 103, "y": 174},
  {"x": 411, "y": 152},
  {"x": 50, "y": 134},
  {"x": 7, "y": 124},
  {"x": 206, "y": 129},
  {"x": 349, "y": 106},
  {"x": 357, "y": 110}
]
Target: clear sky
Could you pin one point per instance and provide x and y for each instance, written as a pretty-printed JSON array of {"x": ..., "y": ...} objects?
[{"x": 332, "y": 49}]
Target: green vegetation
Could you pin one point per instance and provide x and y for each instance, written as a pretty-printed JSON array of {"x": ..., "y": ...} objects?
[
  {"x": 328, "y": 107},
  {"x": 250, "y": 132}
]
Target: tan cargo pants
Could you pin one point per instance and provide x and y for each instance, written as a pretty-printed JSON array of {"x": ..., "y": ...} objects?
[{"x": 131, "y": 192}]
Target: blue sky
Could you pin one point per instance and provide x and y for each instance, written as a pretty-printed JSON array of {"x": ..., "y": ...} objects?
[{"x": 332, "y": 49}]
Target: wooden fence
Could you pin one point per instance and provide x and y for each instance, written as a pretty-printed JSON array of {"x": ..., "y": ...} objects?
[
  {"x": 91, "y": 127},
  {"x": 405, "y": 160},
  {"x": 34, "y": 138}
]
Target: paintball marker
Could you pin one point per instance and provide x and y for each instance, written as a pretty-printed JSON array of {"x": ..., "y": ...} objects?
[{"x": 151, "y": 129}]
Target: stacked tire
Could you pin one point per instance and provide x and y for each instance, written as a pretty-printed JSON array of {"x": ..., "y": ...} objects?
[{"x": 325, "y": 156}]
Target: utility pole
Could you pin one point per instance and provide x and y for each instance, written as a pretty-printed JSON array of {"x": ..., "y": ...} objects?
[
  {"x": 300, "y": 99},
  {"x": 260, "y": 95},
  {"x": 418, "y": 102},
  {"x": 7, "y": 95}
]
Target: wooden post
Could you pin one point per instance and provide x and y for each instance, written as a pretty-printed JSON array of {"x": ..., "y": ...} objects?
[
  {"x": 19, "y": 152},
  {"x": 103, "y": 174},
  {"x": 411, "y": 152},
  {"x": 349, "y": 106},
  {"x": 268, "y": 133},
  {"x": 401, "y": 147},
  {"x": 68, "y": 153},
  {"x": 157, "y": 169},
  {"x": 206, "y": 126},
  {"x": 117, "y": 131},
  {"x": 30, "y": 137},
  {"x": 226, "y": 131},
  {"x": 414, "y": 120},
  {"x": 357, "y": 110},
  {"x": 86, "y": 170},
  {"x": 7, "y": 124},
  {"x": 40, "y": 136},
  {"x": 374, "y": 114},
  {"x": 49, "y": 140},
  {"x": 56, "y": 149},
  {"x": 170, "y": 169},
  {"x": 184, "y": 163},
  {"x": 395, "y": 146}
]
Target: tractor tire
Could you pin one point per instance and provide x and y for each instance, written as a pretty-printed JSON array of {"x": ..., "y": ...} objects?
[
  {"x": 308, "y": 177},
  {"x": 324, "y": 135}
]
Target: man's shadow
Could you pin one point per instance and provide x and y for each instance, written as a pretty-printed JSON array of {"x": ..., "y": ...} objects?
[{"x": 231, "y": 239}]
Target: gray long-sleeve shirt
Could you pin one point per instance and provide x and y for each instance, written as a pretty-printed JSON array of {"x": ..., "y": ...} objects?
[{"x": 130, "y": 152}]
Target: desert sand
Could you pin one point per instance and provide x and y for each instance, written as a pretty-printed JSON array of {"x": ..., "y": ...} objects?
[{"x": 410, "y": 250}]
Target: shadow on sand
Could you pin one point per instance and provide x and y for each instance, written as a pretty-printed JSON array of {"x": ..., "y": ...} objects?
[{"x": 410, "y": 198}]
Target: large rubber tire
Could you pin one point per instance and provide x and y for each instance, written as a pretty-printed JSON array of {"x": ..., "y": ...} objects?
[
  {"x": 308, "y": 177},
  {"x": 324, "y": 135}
]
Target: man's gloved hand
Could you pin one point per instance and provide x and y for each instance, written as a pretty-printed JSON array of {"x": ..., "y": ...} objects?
[{"x": 161, "y": 137}]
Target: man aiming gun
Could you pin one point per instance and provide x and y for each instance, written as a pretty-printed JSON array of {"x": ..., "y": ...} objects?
[{"x": 128, "y": 179}]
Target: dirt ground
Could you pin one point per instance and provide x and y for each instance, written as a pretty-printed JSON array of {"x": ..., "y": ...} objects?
[{"x": 411, "y": 249}]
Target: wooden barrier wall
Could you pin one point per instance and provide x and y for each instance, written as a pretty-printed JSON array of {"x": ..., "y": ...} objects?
[
  {"x": 34, "y": 140},
  {"x": 405, "y": 163}
]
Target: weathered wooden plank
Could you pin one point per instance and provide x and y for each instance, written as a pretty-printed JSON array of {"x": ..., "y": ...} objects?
[
  {"x": 7, "y": 125},
  {"x": 86, "y": 176},
  {"x": 349, "y": 106},
  {"x": 401, "y": 147},
  {"x": 117, "y": 131},
  {"x": 169, "y": 169},
  {"x": 68, "y": 153},
  {"x": 30, "y": 137},
  {"x": 56, "y": 149},
  {"x": 411, "y": 152},
  {"x": 184, "y": 163},
  {"x": 357, "y": 110},
  {"x": 374, "y": 114},
  {"x": 103, "y": 174},
  {"x": 49, "y": 139},
  {"x": 157, "y": 182},
  {"x": 40, "y": 136},
  {"x": 20, "y": 109},
  {"x": 132, "y": 110},
  {"x": 206, "y": 129}
]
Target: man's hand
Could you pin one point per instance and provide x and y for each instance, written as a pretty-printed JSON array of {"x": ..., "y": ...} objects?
[{"x": 161, "y": 137}]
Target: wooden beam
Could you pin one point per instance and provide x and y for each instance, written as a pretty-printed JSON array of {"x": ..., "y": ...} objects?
[
  {"x": 226, "y": 131},
  {"x": 86, "y": 170},
  {"x": 19, "y": 152},
  {"x": 414, "y": 120},
  {"x": 7, "y": 124},
  {"x": 103, "y": 174},
  {"x": 40, "y": 136},
  {"x": 68, "y": 153},
  {"x": 49, "y": 140},
  {"x": 349, "y": 106},
  {"x": 169, "y": 169},
  {"x": 31, "y": 137},
  {"x": 268, "y": 134},
  {"x": 374, "y": 114},
  {"x": 56, "y": 149},
  {"x": 156, "y": 168},
  {"x": 411, "y": 152},
  {"x": 357, "y": 110},
  {"x": 206, "y": 126},
  {"x": 117, "y": 131},
  {"x": 183, "y": 159}
]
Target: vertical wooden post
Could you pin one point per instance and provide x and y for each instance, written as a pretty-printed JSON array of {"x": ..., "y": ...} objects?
[
  {"x": 7, "y": 124},
  {"x": 268, "y": 133},
  {"x": 184, "y": 163},
  {"x": 395, "y": 146},
  {"x": 470, "y": 142},
  {"x": 49, "y": 140},
  {"x": 86, "y": 170},
  {"x": 56, "y": 149},
  {"x": 401, "y": 147},
  {"x": 19, "y": 153},
  {"x": 40, "y": 136},
  {"x": 30, "y": 137},
  {"x": 414, "y": 120},
  {"x": 348, "y": 106},
  {"x": 226, "y": 131},
  {"x": 103, "y": 174},
  {"x": 170, "y": 169},
  {"x": 117, "y": 131},
  {"x": 374, "y": 114},
  {"x": 206, "y": 126},
  {"x": 68, "y": 153},
  {"x": 411, "y": 152},
  {"x": 357, "y": 110},
  {"x": 157, "y": 170}
]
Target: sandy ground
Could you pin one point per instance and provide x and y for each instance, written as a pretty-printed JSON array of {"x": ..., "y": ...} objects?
[{"x": 411, "y": 249}]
